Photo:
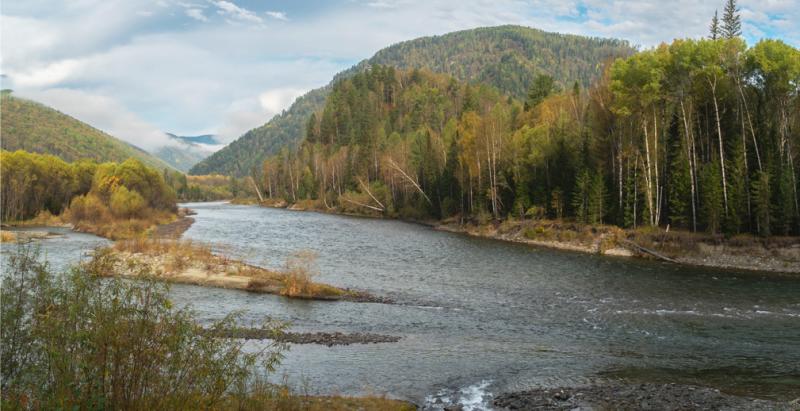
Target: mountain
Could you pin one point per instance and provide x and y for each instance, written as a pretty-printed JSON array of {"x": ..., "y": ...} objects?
[
  {"x": 209, "y": 139},
  {"x": 505, "y": 57},
  {"x": 34, "y": 127},
  {"x": 186, "y": 151}
]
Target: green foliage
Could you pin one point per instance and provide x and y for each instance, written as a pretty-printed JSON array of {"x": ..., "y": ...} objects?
[
  {"x": 77, "y": 341},
  {"x": 731, "y": 21},
  {"x": 505, "y": 57},
  {"x": 32, "y": 183},
  {"x": 543, "y": 85},
  {"x": 36, "y": 128},
  {"x": 126, "y": 203},
  {"x": 711, "y": 197}
]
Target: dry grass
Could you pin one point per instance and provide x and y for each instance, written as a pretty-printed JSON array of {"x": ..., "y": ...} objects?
[
  {"x": 7, "y": 237},
  {"x": 191, "y": 262},
  {"x": 88, "y": 214}
]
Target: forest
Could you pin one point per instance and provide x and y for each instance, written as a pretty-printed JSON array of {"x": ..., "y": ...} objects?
[
  {"x": 111, "y": 199},
  {"x": 697, "y": 134}
]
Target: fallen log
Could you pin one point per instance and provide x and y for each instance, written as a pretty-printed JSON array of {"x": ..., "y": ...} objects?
[{"x": 646, "y": 250}]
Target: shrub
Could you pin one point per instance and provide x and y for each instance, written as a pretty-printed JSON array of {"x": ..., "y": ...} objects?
[
  {"x": 300, "y": 269},
  {"x": 127, "y": 203},
  {"x": 88, "y": 207},
  {"x": 74, "y": 341}
]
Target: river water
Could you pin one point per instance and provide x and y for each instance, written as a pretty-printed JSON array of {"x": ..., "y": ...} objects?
[{"x": 478, "y": 317}]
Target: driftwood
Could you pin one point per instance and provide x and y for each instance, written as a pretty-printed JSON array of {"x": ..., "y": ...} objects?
[
  {"x": 407, "y": 177},
  {"x": 363, "y": 205},
  {"x": 253, "y": 181},
  {"x": 646, "y": 250}
]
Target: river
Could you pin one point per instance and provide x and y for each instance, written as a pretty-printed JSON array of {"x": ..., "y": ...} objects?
[{"x": 478, "y": 317}]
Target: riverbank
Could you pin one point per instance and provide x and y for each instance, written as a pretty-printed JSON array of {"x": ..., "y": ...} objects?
[
  {"x": 329, "y": 339},
  {"x": 774, "y": 254},
  {"x": 746, "y": 252},
  {"x": 622, "y": 396},
  {"x": 186, "y": 262}
]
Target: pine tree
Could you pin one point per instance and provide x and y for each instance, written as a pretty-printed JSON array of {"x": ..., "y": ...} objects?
[
  {"x": 581, "y": 196},
  {"x": 679, "y": 186},
  {"x": 714, "y": 27},
  {"x": 597, "y": 195},
  {"x": 711, "y": 205},
  {"x": 731, "y": 21},
  {"x": 760, "y": 192}
]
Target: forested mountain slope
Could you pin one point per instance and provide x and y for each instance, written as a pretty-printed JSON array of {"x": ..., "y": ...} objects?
[
  {"x": 698, "y": 134},
  {"x": 507, "y": 57},
  {"x": 34, "y": 127}
]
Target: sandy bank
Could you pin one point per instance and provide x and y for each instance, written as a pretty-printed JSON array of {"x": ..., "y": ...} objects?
[{"x": 186, "y": 262}]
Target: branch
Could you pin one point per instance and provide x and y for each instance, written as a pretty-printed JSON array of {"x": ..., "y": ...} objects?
[
  {"x": 364, "y": 186},
  {"x": 363, "y": 205},
  {"x": 414, "y": 183}
]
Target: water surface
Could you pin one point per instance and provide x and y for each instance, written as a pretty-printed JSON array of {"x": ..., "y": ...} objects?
[{"x": 479, "y": 317}]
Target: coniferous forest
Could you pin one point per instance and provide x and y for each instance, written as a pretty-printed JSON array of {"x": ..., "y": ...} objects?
[{"x": 696, "y": 134}]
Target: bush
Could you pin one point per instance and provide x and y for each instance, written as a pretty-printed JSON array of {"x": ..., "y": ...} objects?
[
  {"x": 88, "y": 207},
  {"x": 127, "y": 203},
  {"x": 75, "y": 341},
  {"x": 300, "y": 269}
]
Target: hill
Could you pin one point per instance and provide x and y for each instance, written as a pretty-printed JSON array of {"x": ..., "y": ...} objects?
[
  {"x": 186, "y": 151},
  {"x": 34, "y": 127},
  {"x": 506, "y": 57}
]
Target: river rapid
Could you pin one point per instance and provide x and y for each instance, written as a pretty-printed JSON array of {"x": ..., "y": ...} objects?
[{"x": 479, "y": 317}]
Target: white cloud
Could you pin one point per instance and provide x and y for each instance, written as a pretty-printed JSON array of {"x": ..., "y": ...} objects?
[
  {"x": 277, "y": 15},
  {"x": 48, "y": 75},
  {"x": 196, "y": 14},
  {"x": 236, "y": 13},
  {"x": 276, "y": 100},
  {"x": 193, "y": 78}
]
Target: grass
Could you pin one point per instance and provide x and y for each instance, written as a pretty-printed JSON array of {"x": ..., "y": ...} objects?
[
  {"x": 176, "y": 259},
  {"x": 114, "y": 228},
  {"x": 7, "y": 237}
]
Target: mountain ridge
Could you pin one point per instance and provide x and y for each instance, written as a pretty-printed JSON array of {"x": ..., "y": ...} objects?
[{"x": 506, "y": 57}]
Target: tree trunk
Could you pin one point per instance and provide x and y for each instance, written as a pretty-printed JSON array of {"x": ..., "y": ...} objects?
[
  {"x": 689, "y": 145},
  {"x": 721, "y": 146}
]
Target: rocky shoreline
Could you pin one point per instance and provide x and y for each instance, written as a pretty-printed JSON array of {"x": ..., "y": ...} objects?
[
  {"x": 621, "y": 396},
  {"x": 612, "y": 241},
  {"x": 329, "y": 339}
]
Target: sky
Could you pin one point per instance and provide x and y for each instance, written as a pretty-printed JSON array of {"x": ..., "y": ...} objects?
[{"x": 139, "y": 68}]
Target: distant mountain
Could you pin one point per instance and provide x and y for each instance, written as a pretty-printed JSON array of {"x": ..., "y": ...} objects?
[
  {"x": 209, "y": 139},
  {"x": 186, "y": 151},
  {"x": 34, "y": 127},
  {"x": 505, "y": 57}
]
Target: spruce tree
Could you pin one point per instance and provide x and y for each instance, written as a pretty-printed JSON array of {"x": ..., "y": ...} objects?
[
  {"x": 731, "y": 21},
  {"x": 714, "y": 27}
]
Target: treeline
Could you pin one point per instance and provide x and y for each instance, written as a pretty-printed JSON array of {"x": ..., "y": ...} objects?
[
  {"x": 84, "y": 192},
  {"x": 698, "y": 134},
  {"x": 213, "y": 187}
]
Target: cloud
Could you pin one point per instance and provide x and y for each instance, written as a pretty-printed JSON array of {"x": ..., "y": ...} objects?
[
  {"x": 170, "y": 72},
  {"x": 196, "y": 14},
  {"x": 236, "y": 13},
  {"x": 277, "y": 15}
]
